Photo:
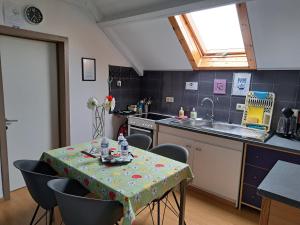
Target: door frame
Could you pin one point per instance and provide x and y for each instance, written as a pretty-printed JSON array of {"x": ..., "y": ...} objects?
[{"x": 62, "y": 57}]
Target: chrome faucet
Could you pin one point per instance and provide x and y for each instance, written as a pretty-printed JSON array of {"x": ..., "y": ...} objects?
[{"x": 212, "y": 106}]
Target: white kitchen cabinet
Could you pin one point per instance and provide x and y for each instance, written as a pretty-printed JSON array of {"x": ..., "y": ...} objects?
[
  {"x": 216, "y": 162},
  {"x": 217, "y": 170}
]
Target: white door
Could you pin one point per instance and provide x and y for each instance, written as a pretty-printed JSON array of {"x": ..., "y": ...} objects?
[{"x": 29, "y": 74}]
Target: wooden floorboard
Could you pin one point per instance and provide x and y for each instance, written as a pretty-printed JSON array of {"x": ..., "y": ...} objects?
[{"x": 200, "y": 210}]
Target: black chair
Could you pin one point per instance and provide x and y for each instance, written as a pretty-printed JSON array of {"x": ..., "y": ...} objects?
[
  {"x": 78, "y": 210},
  {"x": 139, "y": 141},
  {"x": 177, "y": 153},
  {"x": 36, "y": 175}
]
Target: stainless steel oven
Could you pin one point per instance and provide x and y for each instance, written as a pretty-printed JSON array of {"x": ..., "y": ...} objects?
[{"x": 145, "y": 124}]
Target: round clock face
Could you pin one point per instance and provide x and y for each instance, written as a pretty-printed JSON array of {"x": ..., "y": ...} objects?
[{"x": 33, "y": 15}]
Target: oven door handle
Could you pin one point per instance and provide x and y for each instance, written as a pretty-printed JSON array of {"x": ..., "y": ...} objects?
[{"x": 139, "y": 129}]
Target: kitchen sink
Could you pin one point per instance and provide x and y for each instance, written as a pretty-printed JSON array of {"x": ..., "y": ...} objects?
[
  {"x": 221, "y": 127},
  {"x": 195, "y": 122}
]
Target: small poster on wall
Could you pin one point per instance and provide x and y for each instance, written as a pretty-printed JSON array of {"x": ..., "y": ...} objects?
[
  {"x": 220, "y": 86},
  {"x": 241, "y": 84},
  {"x": 88, "y": 69}
]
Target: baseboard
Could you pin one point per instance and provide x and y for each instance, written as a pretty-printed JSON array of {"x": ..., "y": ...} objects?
[{"x": 211, "y": 196}]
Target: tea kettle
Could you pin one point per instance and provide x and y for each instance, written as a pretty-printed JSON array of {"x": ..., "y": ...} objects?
[{"x": 287, "y": 123}]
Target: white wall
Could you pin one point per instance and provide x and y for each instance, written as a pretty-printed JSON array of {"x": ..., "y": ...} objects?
[
  {"x": 85, "y": 40},
  {"x": 275, "y": 31},
  {"x": 275, "y": 27}
]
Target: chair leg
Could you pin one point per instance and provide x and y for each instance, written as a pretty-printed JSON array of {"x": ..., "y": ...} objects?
[
  {"x": 177, "y": 203},
  {"x": 163, "y": 218},
  {"x": 151, "y": 213},
  {"x": 46, "y": 217},
  {"x": 34, "y": 215},
  {"x": 51, "y": 216}
]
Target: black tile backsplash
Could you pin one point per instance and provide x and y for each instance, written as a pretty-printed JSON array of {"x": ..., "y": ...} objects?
[
  {"x": 129, "y": 92},
  {"x": 161, "y": 84}
]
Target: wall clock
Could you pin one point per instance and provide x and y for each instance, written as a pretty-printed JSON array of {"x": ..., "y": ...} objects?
[{"x": 33, "y": 15}]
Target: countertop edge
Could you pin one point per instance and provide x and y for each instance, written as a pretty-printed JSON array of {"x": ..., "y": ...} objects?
[
  {"x": 279, "y": 198},
  {"x": 230, "y": 137}
]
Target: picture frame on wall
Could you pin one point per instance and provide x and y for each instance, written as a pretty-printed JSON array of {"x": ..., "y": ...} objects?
[
  {"x": 88, "y": 69},
  {"x": 241, "y": 84}
]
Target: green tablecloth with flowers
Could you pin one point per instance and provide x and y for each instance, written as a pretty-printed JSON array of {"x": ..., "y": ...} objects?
[{"x": 135, "y": 185}]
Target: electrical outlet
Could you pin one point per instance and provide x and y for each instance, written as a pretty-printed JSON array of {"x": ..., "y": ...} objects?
[
  {"x": 169, "y": 99},
  {"x": 191, "y": 86},
  {"x": 240, "y": 107},
  {"x": 119, "y": 83}
]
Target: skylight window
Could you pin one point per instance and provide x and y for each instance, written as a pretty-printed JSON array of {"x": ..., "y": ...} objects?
[
  {"x": 217, "y": 38},
  {"x": 219, "y": 29}
]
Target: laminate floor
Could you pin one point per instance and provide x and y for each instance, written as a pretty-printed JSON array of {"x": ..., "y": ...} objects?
[{"x": 200, "y": 210}]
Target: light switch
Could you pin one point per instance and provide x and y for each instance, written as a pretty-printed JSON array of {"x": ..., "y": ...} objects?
[
  {"x": 191, "y": 86},
  {"x": 240, "y": 107},
  {"x": 169, "y": 99}
]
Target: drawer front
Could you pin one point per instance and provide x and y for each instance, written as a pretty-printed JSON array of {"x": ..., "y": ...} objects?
[
  {"x": 250, "y": 196},
  {"x": 266, "y": 158},
  {"x": 254, "y": 175}
]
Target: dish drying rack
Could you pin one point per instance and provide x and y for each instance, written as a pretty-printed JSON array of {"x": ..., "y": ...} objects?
[{"x": 258, "y": 110}]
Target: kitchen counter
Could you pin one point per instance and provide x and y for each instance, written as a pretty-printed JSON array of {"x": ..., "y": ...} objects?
[
  {"x": 282, "y": 184},
  {"x": 274, "y": 141}
]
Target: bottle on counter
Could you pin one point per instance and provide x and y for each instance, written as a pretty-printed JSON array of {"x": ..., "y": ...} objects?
[
  {"x": 121, "y": 138},
  {"x": 124, "y": 148},
  {"x": 193, "y": 114},
  {"x": 104, "y": 147},
  {"x": 181, "y": 113}
]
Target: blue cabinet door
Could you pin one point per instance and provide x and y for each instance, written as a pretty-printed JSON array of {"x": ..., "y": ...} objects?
[{"x": 259, "y": 161}]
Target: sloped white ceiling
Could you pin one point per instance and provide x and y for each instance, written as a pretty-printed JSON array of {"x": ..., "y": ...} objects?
[
  {"x": 153, "y": 44},
  {"x": 142, "y": 33},
  {"x": 275, "y": 26},
  {"x": 275, "y": 31}
]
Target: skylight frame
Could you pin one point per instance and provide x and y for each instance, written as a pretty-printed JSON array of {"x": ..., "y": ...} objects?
[{"x": 203, "y": 59}]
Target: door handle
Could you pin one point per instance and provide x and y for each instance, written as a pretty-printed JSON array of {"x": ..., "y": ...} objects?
[{"x": 9, "y": 122}]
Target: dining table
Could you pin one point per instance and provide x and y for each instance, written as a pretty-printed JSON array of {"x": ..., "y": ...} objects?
[{"x": 135, "y": 185}]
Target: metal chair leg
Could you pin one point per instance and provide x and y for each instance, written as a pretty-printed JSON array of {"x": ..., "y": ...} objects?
[
  {"x": 34, "y": 215},
  {"x": 46, "y": 217},
  {"x": 151, "y": 213},
  {"x": 177, "y": 203}
]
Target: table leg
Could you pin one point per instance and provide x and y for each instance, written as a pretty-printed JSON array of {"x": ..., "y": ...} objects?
[{"x": 183, "y": 185}]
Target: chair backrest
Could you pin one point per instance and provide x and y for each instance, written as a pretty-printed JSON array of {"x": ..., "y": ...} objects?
[
  {"x": 78, "y": 210},
  {"x": 172, "y": 151},
  {"x": 141, "y": 141},
  {"x": 36, "y": 175}
]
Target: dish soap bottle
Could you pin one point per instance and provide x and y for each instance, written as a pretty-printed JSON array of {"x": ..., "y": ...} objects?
[
  {"x": 181, "y": 113},
  {"x": 193, "y": 114}
]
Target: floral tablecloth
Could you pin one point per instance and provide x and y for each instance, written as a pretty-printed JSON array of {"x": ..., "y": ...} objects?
[{"x": 135, "y": 185}]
